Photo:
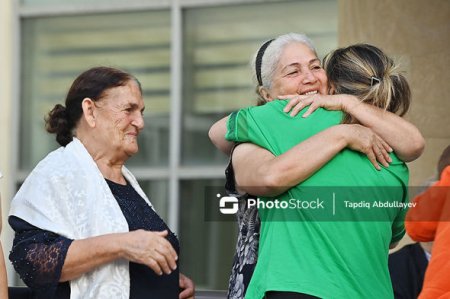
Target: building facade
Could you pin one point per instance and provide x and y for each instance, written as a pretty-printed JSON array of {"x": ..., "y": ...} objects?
[{"x": 192, "y": 58}]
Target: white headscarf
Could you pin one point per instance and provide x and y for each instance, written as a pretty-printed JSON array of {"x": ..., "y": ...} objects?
[{"x": 67, "y": 194}]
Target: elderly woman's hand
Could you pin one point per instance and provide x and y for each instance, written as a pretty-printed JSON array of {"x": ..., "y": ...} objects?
[
  {"x": 187, "y": 287},
  {"x": 329, "y": 102},
  {"x": 364, "y": 140},
  {"x": 151, "y": 249}
]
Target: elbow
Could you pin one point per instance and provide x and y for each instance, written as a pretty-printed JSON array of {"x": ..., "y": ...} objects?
[
  {"x": 272, "y": 181},
  {"x": 64, "y": 277},
  {"x": 278, "y": 179},
  {"x": 211, "y": 134},
  {"x": 274, "y": 184},
  {"x": 268, "y": 185},
  {"x": 418, "y": 146},
  {"x": 421, "y": 231},
  {"x": 218, "y": 140},
  {"x": 415, "y": 149}
]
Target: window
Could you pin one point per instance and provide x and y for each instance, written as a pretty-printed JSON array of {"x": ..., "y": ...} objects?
[
  {"x": 216, "y": 41},
  {"x": 57, "y": 49},
  {"x": 218, "y": 44}
]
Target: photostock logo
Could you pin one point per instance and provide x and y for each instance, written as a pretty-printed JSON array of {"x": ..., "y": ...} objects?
[{"x": 228, "y": 199}]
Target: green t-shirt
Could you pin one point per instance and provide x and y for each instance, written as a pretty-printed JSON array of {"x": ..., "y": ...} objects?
[{"x": 331, "y": 238}]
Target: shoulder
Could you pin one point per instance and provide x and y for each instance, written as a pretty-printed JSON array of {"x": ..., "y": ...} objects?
[
  {"x": 51, "y": 161},
  {"x": 445, "y": 176},
  {"x": 57, "y": 169}
]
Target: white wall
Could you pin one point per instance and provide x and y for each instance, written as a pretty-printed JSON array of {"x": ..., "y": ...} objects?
[{"x": 6, "y": 101}]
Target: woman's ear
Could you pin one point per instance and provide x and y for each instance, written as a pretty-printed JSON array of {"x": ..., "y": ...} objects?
[
  {"x": 88, "y": 107},
  {"x": 265, "y": 94},
  {"x": 331, "y": 89}
]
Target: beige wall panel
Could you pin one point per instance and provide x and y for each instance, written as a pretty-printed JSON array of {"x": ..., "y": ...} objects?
[
  {"x": 418, "y": 32},
  {"x": 415, "y": 26},
  {"x": 431, "y": 103},
  {"x": 6, "y": 94},
  {"x": 425, "y": 166}
]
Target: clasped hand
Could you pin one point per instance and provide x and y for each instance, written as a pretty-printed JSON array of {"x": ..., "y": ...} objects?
[{"x": 358, "y": 137}]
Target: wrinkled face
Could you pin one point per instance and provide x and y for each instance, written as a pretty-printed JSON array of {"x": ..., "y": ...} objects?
[
  {"x": 299, "y": 72},
  {"x": 119, "y": 120}
]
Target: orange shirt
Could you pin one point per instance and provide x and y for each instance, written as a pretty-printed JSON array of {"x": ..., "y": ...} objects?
[{"x": 430, "y": 220}]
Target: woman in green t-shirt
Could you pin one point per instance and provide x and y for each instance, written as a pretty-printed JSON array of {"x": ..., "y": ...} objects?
[{"x": 289, "y": 65}]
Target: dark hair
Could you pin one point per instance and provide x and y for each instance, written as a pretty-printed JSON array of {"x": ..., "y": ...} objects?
[
  {"x": 444, "y": 160},
  {"x": 366, "y": 72},
  {"x": 92, "y": 84}
]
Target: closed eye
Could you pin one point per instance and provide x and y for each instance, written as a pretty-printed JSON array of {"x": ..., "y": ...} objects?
[{"x": 292, "y": 73}]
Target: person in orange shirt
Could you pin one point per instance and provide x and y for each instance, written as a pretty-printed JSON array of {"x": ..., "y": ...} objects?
[{"x": 430, "y": 220}]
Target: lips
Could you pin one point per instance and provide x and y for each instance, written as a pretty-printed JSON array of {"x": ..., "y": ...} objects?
[{"x": 132, "y": 134}]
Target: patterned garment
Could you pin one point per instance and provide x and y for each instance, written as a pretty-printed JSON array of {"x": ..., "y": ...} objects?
[{"x": 247, "y": 243}]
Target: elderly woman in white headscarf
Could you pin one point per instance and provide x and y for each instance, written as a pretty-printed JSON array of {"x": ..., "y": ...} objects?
[{"x": 84, "y": 228}]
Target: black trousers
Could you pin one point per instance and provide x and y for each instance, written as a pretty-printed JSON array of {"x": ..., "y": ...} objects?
[
  {"x": 288, "y": 295},
  {"x": 20, "y": 293}
]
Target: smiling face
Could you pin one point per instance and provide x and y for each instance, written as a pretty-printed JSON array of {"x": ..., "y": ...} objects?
[
  {"x": 299, "y": 71},
  {"x": 119, "y": 119}
]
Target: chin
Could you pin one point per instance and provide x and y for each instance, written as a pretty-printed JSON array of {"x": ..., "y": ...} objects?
[{"x": 132, "y": 149}]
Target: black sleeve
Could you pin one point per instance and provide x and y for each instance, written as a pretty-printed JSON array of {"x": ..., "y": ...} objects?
[
  {"x": 230, "y": 183},
  {"x": 38, "y": 256}
]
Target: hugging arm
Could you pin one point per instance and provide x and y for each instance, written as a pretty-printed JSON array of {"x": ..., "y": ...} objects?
[
  {"x": 401, "y": 135},
  {"x": 217, "y": 136},
  {"x": 259, "y": 172}
]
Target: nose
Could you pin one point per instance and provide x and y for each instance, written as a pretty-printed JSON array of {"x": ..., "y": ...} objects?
[
  {"x": 138, "y": 121},
  {"x": 308, "y": 77}
]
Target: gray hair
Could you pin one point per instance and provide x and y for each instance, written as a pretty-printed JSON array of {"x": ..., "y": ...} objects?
[{"x": 271, "y": 58}]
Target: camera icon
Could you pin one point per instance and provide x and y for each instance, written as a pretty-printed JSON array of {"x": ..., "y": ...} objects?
[{"x": 227, "y": 200}]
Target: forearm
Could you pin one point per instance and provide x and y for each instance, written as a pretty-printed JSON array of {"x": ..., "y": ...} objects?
[
  {"x": 217, "y": 136},
  {"x": 259, "y": 172},
  {"x": 150, "y": 248},
  {"x": 87, "y": 254},
  {"x": 404, "y": 138}
]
